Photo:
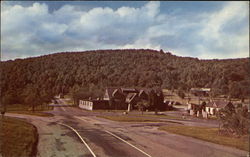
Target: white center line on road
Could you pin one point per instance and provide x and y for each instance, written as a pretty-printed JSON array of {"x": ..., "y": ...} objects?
[
  {"x": 127, "y": 143},
  {"x": 80, "y": 138}
]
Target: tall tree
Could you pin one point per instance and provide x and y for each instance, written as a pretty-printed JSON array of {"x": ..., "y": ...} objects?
[{"x": 142, "y": 105}]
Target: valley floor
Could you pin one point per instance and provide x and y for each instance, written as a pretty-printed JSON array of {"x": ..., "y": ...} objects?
[{"x": 76, "y": 132}]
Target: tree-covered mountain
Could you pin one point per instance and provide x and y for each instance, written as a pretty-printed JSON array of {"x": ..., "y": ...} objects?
[{"x": 40, "y": 78}]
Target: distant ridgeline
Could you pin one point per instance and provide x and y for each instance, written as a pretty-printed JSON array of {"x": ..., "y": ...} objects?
[{"x": 40, "y": 78}]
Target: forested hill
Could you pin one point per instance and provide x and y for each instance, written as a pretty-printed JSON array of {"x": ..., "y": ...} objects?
[{"x": 95, "y": 70}]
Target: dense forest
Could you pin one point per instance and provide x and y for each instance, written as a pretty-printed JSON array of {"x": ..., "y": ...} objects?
[{"x": 40, "y": 78}]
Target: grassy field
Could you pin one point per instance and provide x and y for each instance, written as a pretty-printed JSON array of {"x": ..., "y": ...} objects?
[
  {"x": 102, "y": 110},
  {"x": 69, "y": 101},
  {"x": 24, "y": 109},
  {"x": 208, "y": 134},
  {"x": 160, "y": 116},
  {"x": 36, "y": 113},
  {"x": 20, "y": 107},
  {"x": 124, "y": 118},
  {"x": 17, "y": 138}
]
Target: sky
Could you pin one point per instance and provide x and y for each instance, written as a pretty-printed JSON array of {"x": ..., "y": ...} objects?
[{"x": 205, "y": 30}]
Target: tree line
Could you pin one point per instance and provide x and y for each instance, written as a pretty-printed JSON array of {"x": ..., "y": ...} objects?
[{"x": 38, "y": 79}]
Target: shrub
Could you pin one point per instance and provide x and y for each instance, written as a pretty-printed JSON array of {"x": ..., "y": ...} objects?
[{"x": 234, "y": 122}]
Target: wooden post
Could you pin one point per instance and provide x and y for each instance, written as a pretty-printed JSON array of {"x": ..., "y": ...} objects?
[
  {"x": 3, "y": 112},
  {"x": 129, "y": 107}
]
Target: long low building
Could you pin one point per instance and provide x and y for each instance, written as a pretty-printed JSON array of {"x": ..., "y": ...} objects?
[
  {"x": 123, "y": 99},
  {"x": 93, "y": 104}
]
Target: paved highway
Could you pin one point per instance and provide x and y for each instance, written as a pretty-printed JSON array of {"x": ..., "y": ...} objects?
[{"x": 75, "y": 132}]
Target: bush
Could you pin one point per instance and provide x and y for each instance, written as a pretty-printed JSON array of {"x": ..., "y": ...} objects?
[{"x": 234, "y": 122}]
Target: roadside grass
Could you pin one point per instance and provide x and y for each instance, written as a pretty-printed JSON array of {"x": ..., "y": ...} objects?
[
  {"x": 213, "y": 118},
  {"x": 67, "y": 96},
  {"x": 124, "y": 118},
  {"x": 160, "y": 116},
  {"x": 35, "y": 113},
  {"x": 17, "y": 138},
  {"x": 138, "y": 114},
  {"x": 173, "y": 96},
  {"x": 69, "y": 101},
  {"x": 208, "y": 134},
  {"x": 24, "y": 109},
  {"x": 104, "y": 110}
]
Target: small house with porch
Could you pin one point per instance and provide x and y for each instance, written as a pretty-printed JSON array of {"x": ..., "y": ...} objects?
[
  {"x": 215, "y": 106},
  {"x": 196, "y": 109}
]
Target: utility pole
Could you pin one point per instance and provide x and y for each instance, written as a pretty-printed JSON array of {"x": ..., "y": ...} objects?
[{"x": 2, "y": 105}]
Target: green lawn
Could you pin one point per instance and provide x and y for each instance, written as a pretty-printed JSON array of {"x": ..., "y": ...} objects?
[
  {"x": 138, "y": 114},
  {"x": 125, "y": 118},
  {"x": 69, "y": 101},
  {"x": 35, "y": 113},
  {"x": 160, "y": 116},
  {"x": 24, "y": 109},
  {"x": 17, "y": 138},
  {"x": 208, "y": 134},
  {"x": 20, "y": 107}
]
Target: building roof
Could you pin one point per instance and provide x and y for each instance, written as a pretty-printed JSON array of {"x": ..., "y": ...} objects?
[
  {"x": 129, "y": 90},
  {"x": 142, "y": 92},
  {"x": 130, "y": 97},
  {"x": 109, "y": 92},
  {"x": 218, "y": 104},
  {"x": 115, "y": 92},
  {"x": 201, "y": 89}
]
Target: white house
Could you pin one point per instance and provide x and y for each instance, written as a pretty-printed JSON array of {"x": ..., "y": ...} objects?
[
  {"x": 215, "y": 106},
  {"x": 87, "y": 105}
]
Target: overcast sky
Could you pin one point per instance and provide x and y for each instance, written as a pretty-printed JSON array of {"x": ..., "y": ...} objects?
[{"x": 205, "y": 30}]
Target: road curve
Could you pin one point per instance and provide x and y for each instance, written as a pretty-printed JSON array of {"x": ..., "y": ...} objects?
[
  {"x": 147, "y": 137},
  {"x": 114, "y": 139}
]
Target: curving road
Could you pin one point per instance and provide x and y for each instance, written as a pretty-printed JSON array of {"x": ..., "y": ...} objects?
[{"x": 77, "y": 133}]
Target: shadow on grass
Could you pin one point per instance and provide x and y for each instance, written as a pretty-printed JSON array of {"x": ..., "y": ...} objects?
[{"x": 18, "y": 137}]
